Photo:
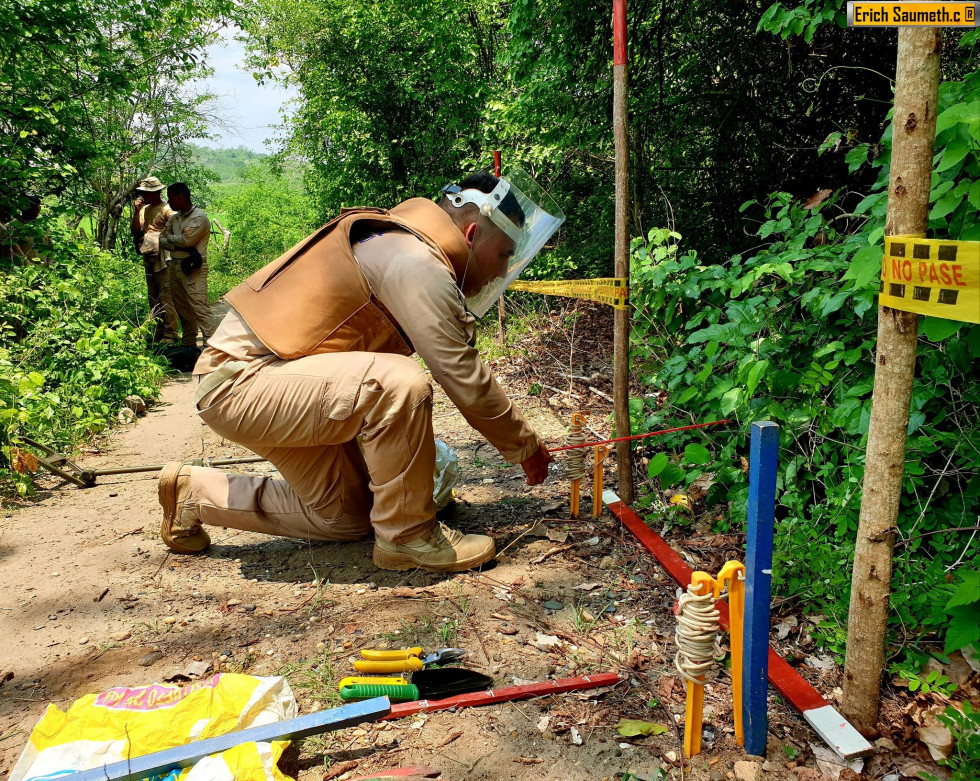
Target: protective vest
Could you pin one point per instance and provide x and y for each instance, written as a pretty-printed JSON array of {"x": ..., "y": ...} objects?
[{"x": 314, "y": 299}]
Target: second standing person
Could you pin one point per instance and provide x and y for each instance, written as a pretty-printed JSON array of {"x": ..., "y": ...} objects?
[{"x": 186, "y": 236}]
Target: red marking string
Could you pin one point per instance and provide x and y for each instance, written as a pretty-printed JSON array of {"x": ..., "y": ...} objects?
[{"x": 638, "y": 436}]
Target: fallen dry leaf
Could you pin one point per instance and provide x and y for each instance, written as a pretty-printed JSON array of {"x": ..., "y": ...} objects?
[
  {"x": 937, "y": 738},
  {"x": 451, "y": 737},
  {"x": 21, "y": 461},
  {"x": 816, "y": 199},
  {"x": 338, "y": 770}
]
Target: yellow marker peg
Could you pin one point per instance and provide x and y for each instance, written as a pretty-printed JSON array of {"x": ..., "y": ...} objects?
[
  {"x": 576, "y": 460},
  {"x": 701, "y": 583},
  {"x": 601, "y": 451},
  {"x": 733, "y": 573}
]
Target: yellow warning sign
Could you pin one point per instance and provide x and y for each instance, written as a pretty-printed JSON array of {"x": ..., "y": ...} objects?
[
  {"x": 612, "y": 291},
  {"x": 932, "y": 277}
]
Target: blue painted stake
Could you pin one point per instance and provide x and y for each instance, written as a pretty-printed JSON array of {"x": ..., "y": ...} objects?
[{"x": 763, "y": 458}]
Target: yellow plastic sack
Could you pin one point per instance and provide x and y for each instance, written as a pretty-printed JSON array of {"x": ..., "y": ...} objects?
[{"x": 100, "y": 729}]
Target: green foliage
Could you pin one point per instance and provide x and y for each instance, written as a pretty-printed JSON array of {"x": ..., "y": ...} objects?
[
  {"x": 393, "y": 93},
  {"x": 965, "y": 728},
  {"x": 72, "y": 345},
  {"x": 786, "y": 334},
  {"x": 964, "y": 611},
  {"x": 932, "y": 682},
  {"x": 93, "y": 97},
  {"x": 267, "y": 213},
  {"x": 229, "y": 165},
  {"x": 396, "y": 99}
]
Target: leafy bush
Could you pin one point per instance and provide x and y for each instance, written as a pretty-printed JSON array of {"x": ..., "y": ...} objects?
[
  {"x": 72, "y": 345},
  {"x": 964, "y": 725},
  {"x": 787, "y": 335},
  {"x": 267, "y": 214},
  {"x": 964, "y": 611}
]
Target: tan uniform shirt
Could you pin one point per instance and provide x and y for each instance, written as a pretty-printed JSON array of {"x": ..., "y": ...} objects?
[
  {"x": 153, "y": 219},
  {"x": 420, "y": 293},
  {"x": 190, "y": 229}
]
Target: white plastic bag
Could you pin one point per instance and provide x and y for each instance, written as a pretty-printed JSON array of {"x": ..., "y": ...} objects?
[{"x": 446, "y": 474}]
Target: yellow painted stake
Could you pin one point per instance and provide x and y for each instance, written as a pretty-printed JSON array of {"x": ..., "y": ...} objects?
[
  {"x": 575, "y": 498},
  {"x": 601, "y": 451},
  {"x": 694, "y": 708},
  {"x": 733, "y": 573},
  {"x": 693, "y": 718}
]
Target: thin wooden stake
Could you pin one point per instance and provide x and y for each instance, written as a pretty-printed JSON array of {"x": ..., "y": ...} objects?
[{"x": 621, "y": 322}]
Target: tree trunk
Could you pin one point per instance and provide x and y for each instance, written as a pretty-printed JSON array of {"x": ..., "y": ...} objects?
[
  {"x": 914, "y": 132},
  {"x": 107, "y": 222},
  {"x": 102, "y": 226},
  {"x": 621, "y": 321}
]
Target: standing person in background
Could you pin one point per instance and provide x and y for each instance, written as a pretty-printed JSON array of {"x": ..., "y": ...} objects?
[
  {"x": 150, "y": 215},
  {"x": 186, "y": 236}
]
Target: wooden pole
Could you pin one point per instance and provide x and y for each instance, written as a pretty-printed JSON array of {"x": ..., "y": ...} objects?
[
  {"x": 501, "y": 306},
  {"x": 621, "y": 323},
  {"x": 913, "y": 138}
]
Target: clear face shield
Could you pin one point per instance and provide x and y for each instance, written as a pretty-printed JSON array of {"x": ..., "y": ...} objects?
[{"x": 516, "y": 220}]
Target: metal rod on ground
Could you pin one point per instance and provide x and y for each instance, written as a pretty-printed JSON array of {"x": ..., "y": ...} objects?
[
  {"x": 123, "y": 470},
  {"x": 160, "y": 762},
  {"x": 763, "y": 460},
  {"x": 621, "y": 321},
  {"x": 85, "y": 478}
]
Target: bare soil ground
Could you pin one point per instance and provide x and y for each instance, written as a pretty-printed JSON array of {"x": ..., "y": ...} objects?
[{"x": 92, "y": 600}]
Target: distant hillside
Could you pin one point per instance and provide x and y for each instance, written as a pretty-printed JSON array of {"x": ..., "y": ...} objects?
[{"x": 229, "y": 164}]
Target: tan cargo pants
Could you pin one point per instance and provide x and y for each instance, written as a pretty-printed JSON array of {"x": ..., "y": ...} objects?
[
  {"x": 190, "y": 297},
  {"x": 160, "y": 300},
  {"x": 304, "y": 416}
]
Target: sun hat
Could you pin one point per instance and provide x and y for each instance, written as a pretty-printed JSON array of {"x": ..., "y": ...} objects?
[{"x": 150, "y": 185}]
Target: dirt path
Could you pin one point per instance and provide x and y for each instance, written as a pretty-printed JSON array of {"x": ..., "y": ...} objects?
[{"x": 92, "y": 600}]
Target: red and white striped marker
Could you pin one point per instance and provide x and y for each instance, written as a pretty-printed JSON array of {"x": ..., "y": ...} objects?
[
  {"x": 506, "y": 694},
  {"x": 836, "y": 731}
]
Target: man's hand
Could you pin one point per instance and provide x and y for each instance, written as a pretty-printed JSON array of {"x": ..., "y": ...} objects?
[
  {"x": 536, "y": 465},
  {"x": 138, "y": 203}
]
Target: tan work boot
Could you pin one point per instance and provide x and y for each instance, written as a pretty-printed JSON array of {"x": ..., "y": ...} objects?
[
  {"x": 440, "y": 550},
  {"x": 181, "y": 528}
]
